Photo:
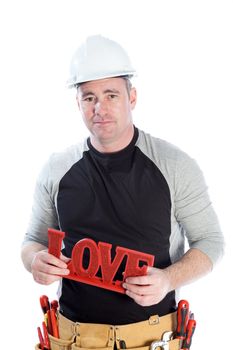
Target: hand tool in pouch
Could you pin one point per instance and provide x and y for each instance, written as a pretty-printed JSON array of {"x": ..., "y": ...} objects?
[
  {"x": 45, "y": 306},
  {"x": 189, "y": 334},
  {"x": 44, "y": 341},
  {"x": 53, "y": 318},
  {"x": 44, "y": 303},
  {"x": 46, "y": 337},
  {"x": 182, "y": 319},
  {"x": 163, "y": 343},
  {"x": 122, "y": 344},
  {"x": 54, "y": 305},
  {"x": 41, "y": 339}
]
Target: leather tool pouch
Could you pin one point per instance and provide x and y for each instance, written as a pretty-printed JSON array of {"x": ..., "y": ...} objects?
[
  {"x": 58, "y": 344},
  {"x": 137, "y": 336}
]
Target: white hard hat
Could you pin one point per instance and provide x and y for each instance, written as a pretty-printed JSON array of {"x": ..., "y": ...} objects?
[{"x": 98, "y": 58}]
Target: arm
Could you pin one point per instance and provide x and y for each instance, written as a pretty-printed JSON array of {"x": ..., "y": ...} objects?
[
  {"x": 195, "y": 215},
  {"x": 44, "y": 267},
  {"x": 152, "y": 288}
]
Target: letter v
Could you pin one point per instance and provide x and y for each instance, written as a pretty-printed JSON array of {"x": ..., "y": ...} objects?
[{"x": 109, "y": 268}]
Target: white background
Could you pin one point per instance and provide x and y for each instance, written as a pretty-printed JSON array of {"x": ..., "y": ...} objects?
[{"x": 183, "y": 53}]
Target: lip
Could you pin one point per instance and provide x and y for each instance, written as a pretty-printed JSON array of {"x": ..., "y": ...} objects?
[{"x": 103, "y": 122}]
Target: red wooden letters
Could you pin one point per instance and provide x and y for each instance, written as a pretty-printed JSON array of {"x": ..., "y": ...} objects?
[{"x": 100, "y": 258}]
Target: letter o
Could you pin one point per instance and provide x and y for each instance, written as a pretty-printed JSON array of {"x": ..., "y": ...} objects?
[{"x": 77, "y": 258}]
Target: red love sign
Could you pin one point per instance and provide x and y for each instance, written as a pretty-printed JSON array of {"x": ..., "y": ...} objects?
[{"x": 100, "y": 258}]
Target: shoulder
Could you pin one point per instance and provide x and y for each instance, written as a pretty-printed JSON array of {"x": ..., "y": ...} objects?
[
  {"x": 69, "y": 156},
  {"x": 176, "y": 165},
  {"x": 60, "y": 162},
  {"x": 160, "y": 150}
]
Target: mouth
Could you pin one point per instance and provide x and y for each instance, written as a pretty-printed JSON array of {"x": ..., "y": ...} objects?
[{"x": 103, "y": 122}]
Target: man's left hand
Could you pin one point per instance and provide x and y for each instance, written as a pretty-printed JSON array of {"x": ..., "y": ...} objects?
[{"x": 149, "y": 289}]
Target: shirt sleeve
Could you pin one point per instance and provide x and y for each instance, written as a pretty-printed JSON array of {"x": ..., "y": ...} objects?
[
  {"x": 44, "y": 214},
  {"x": 194, "y": 210}
]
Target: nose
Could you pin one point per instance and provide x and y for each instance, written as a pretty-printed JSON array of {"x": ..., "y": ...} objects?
[{"x": 100, "y": 108}]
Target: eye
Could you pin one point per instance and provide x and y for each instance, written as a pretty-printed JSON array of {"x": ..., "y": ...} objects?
[
  {"x": 89, "y": 99},
  {"x": 112, "y": 96}
]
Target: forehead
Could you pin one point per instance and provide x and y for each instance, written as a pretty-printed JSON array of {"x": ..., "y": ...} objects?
[{"x": 102, "y": 85}]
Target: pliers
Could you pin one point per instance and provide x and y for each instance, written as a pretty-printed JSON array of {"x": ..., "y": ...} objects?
[{"x": 163, "y": 343}]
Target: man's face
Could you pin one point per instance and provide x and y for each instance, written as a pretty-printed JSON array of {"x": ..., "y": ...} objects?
[{"x": 106, "y": 108}]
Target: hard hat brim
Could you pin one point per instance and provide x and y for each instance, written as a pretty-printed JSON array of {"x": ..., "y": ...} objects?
[{"x": 73, "y": 83}]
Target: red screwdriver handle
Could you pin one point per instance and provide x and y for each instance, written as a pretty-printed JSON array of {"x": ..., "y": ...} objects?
[
  {"x": 54, "y": 305},
  {"x": 41, "y": 339},
  {"x": 182, "y": 319},
  {"x": 46, "y": 337},
  {"x": 54, "y": 323},
  {"x": 44, "y": 303},
  {"x": 189, "y": 334}
]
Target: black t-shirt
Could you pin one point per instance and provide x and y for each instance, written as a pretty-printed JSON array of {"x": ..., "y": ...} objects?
[{"x": 123, "y": 199}]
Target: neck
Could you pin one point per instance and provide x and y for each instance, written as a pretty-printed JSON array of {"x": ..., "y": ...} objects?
[{"x": 116, "y": 145}]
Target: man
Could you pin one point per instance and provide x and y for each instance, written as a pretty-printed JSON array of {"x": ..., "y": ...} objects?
[{"x": 126, "y": 188}]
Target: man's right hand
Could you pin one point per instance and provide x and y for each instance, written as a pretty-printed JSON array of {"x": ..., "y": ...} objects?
[{"x": 47, "y": 269}]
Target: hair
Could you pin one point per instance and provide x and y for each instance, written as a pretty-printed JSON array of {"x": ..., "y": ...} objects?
[{"x": 128, "y": 83}]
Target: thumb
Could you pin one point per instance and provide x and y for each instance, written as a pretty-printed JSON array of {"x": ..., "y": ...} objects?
[
  {"x": 150, "y": 270},
  {"x": 64, "y": 258}
]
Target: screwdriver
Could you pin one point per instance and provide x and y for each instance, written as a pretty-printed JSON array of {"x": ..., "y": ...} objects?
[
  {"x": 45, "y": 306},
  {"x": 49, "y": 323},
  {"x": 40, "y": 338},
  {"x": 189, "y": 334},
  {"x": 182, "y": 319},
  {"x": 44, "y": 303},
  {"x": 44, "y": 341},
  {"x": 53, "y": 318},
  {"x": 54, "y": 305},
  {"x": 46, "y": 337}
]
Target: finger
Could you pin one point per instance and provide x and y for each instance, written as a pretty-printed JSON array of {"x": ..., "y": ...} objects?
[
  {"x": 138, "y": 289},
  {"x": 139, "y": 299},
  {"x": 140, "y": 280},
  {"x": 53, "y": 270},
  {"x": 44, "y": 278},
  {"x": 49, "y": 264},
  {"x": 150, "y": 270},
  {"x": 52, "y": 260},
  {"x": 64, "y": 258}
]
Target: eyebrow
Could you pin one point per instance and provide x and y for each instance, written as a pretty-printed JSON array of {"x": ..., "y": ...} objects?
[
  {"x": 115, "y": 91},
  {"x": 107, "y": 91}
]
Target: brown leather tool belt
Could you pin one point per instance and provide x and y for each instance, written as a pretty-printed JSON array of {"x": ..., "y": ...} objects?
[{"x": 140, "y": 335}]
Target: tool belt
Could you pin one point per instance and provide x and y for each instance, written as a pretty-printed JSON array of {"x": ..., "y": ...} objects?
[{"x": 140, "y": 335}]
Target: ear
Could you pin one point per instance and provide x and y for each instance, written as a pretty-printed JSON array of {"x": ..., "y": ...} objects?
[{"x": 133, "y": 97}]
